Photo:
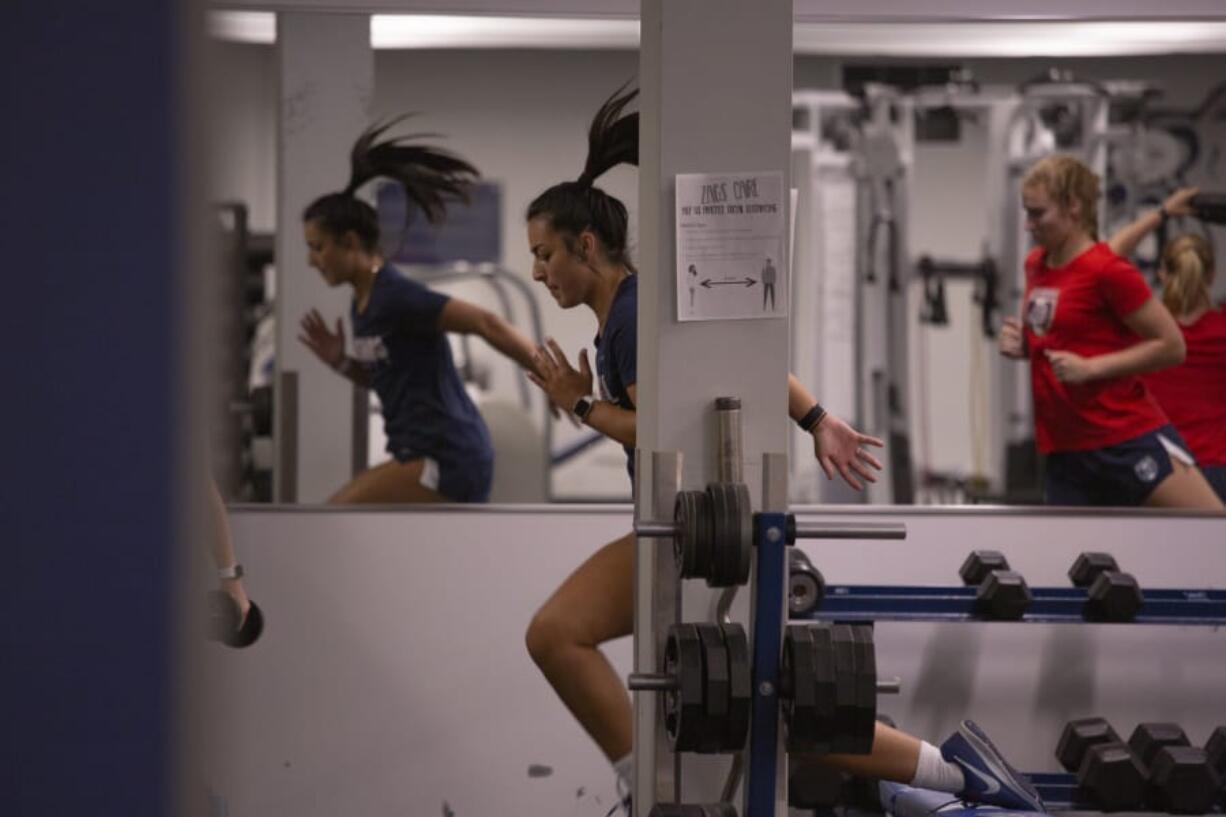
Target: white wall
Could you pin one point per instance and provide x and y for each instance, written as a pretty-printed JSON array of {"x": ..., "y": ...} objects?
[
  {"x": 242, "y": 128},
  {"x": 393, "y": 678}
]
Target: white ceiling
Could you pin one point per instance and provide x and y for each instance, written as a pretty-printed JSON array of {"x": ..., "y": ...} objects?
[
  {"x": 810, "y": 11},
  {"x": 881, "y": 39}
]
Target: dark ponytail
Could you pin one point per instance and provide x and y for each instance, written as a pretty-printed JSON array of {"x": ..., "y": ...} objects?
[
  {"x": 431, "y": 178},
  {"x": 572, "y": 207}
]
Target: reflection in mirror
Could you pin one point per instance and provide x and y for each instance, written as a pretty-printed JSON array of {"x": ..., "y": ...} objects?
[
  {"x": 911, "y": 169},
  {"x": 909, "y": 152}
]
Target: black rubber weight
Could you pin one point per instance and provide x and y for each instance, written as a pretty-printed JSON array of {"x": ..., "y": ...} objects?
[
  {"x": 717, "y": 682},
  {"x": 740, "y": 686},
  {"x": 684, "y": 711}
]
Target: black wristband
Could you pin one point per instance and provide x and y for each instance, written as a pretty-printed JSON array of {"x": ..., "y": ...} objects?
[{"x": 812, "y": 417}]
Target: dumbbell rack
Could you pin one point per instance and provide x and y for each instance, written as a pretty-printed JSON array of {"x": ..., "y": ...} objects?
[
  {"x": 771, "y": 533},
  {"x": 1059, "y": 791},
  {"x": 1050, "y": 605}
]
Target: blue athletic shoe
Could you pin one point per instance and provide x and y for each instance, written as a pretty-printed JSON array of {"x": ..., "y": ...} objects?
[{"x": 989, "y": 778}]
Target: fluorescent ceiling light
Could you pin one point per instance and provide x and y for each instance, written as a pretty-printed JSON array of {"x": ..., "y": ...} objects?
[
  {"x": 254, "y": 27},
  {"x": 964, "y": 39},
  {"x": 450, "y": 31},
  {"x": 1021, "y": 39}
]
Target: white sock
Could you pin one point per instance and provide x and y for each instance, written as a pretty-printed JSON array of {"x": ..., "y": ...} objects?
[
  {"x": 624, "y": 769},
  {"x": 935, "y": 772}
]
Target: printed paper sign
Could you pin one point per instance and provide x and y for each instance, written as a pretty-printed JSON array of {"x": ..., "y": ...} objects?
[{"x": 730, "y": 233}]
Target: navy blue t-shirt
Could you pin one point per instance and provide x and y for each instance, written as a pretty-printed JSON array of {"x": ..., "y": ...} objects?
[
  {"x": 426, "y": 411},
  {"x": 617, "y": 350}
]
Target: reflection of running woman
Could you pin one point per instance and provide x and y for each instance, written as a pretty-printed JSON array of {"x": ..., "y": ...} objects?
[
  {"x": 693, "y": 280},
  {"x": 768, "y": 284}
]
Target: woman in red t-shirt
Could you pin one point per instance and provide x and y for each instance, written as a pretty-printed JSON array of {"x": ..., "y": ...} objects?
[
  {"x": 1192, "y": 394},
  {"x": 1091, "y": 327}
]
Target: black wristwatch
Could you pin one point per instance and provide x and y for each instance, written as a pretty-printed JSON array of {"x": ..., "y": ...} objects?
[{"x": 583, "y": 407}]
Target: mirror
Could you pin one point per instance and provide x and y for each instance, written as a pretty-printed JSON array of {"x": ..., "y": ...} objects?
[{"x": 909, "y": 141}]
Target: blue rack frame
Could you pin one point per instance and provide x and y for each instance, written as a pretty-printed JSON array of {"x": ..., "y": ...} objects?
[
  {"x": 1051, "y": 605},
  {"x": 770, "y": 540},
  {"x": 1060, "y": 792}
]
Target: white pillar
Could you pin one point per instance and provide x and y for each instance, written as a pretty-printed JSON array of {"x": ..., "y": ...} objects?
[
  {"x": 716, "y": 97},
  {"x": 327, "y": 82},
  {"x": 716, "y": 80}
]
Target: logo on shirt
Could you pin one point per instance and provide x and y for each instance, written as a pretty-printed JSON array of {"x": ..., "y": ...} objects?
[
  {"x": 1146, "y": 469},
  {"x": 1041, "y": 309},
  {"x": 369, "y": 349}
]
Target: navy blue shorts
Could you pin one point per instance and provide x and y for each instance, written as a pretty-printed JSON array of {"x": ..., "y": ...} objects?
[
  {"x": 458, "y": 480},
  {"x": 1216, "y": 474},
  {"x": 1118, "y": 475}
]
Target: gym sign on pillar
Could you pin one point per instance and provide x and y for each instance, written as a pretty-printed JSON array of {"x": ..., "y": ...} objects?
[{"x": 730, "y": 247}]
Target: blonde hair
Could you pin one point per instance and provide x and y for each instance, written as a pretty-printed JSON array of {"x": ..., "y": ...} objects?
[
  {"x": 1188, "y": 262},
  {"x": 1067, "y": 180}
]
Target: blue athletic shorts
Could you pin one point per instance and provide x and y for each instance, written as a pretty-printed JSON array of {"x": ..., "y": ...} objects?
[
  {"x": 1118, "y": 475},
  {"x": 459, "y": 481}
]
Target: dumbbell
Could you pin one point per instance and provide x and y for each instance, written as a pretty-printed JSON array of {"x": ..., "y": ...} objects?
[
  {"x": 1157, "y": 766},
  {"x": 1105, "y": 766},
  {"x": 806, "y": 585},
  {"x": 1002, "y": 593},
  {"x": 693, "y": 810},
  {"x": 1111, "y": 595},
  {"x": 1215, "y": 750},
  {"x": 1182, "y": 779},
  {"x": 223, "y": 616}
]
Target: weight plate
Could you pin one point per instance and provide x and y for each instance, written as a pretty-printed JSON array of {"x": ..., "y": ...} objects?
[
  {"x": 846, "y": 693},
  {"x": 866, "y": 688},
  {"x": 740, "y": 687},
  {"x": 684, "y": 716},
  {"x": 715, "y": 668}
]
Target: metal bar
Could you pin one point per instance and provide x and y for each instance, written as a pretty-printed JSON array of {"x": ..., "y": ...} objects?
[
  {"x": 1050, "y": 605},
  {"x": 851, "y": 530},
  {"x": 735, "y": 773},
  {"x": 804, "y": 530},
  {"x": 576, "y": 448},
  {"x": 767, "y": 637},
  {"x": 1159, "y": 596},
  {"x": 285, "y": 434},
  {"x": 651, "y": 681},
  {"x": 728, "y": 439},
  {"x": 657, "y": 600},
  {"x": 1061, "y": 792},
  {"x": 662, "y": 530}
]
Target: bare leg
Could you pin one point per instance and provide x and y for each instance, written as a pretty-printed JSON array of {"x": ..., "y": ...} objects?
[
  {"x": 895, "y": 757},
  {"x": 1186, "y": 487},
  {"x": 223, "y": 551},
  {"x": 390, "y": 482},
  {"x": 594, "y": 605}
]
